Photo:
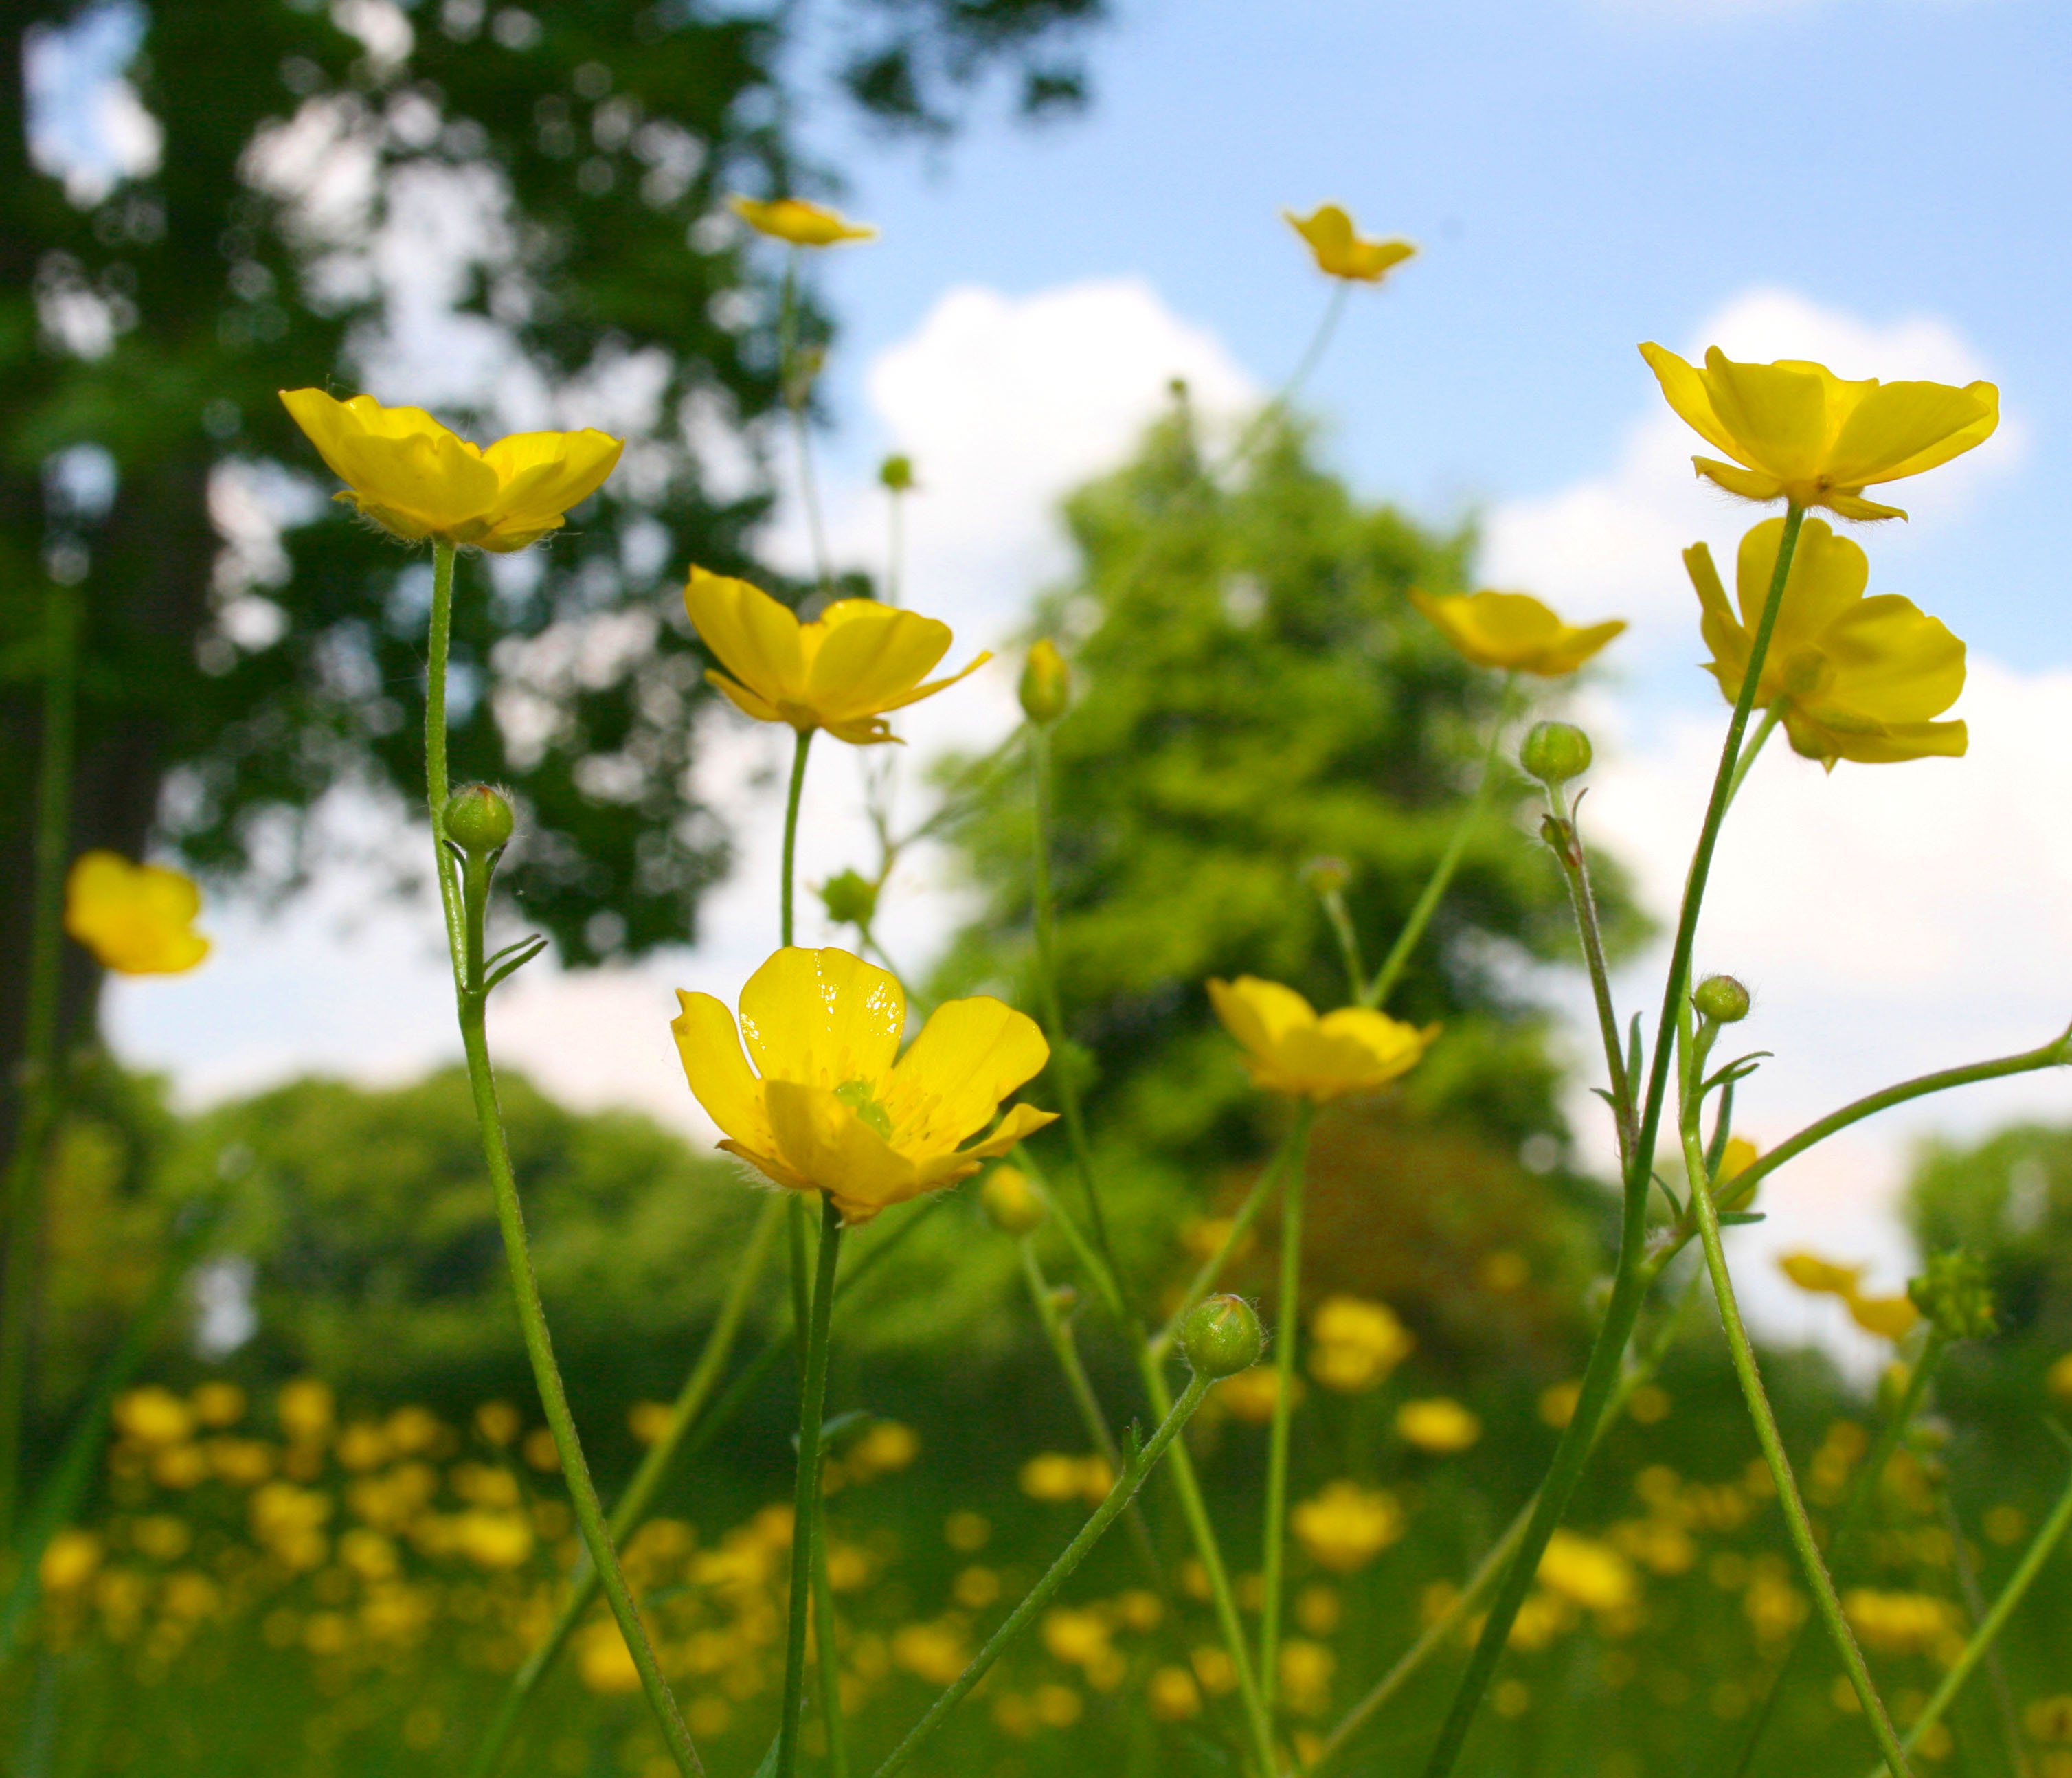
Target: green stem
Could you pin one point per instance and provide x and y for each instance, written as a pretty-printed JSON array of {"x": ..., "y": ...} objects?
[
  {"x": 1749, "y": 753},
  {"x": 1966, "y": 1573},
  {"x": 37, "y": 1109},
  {"x": 1195, "y": 1510},
  {"x": 1064, "y": 1071},
  {"x": 1989, "y": 1629},
  {"x": 829, "y": 1661},
  {"x": 439, "y": 638},
  {"x": 796, "y": 386},
  {"x": 806, "y": 1494},
  {"x": 1565, "y": 841},
  {"x": 631, "y": 1512},
  {"x": 1798, "y": 1526},
  {"x": 1633, "y": 1276},
  {"x": 1273, "y": 1541},
  {"x": 1204, "y": 1281},
  {"x": 1095, "y": 1267},
  {"x": 791, "y": 799},
  {"x": 895, "y": 548},
  {"x": 1127, "y": 1481},
  {"x": 1348, "y": 938},
  {"x": 1383, "y": 984},
  {"x": 1276, "y": 404},
  {"x": 1863, "y": 1489}
]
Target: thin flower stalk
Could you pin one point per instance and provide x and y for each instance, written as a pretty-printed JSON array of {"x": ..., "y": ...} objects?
[
  {"x": 1378, "y": 990},
  {"x": 1797, "y": 1525},
  {"x": 1975, "y": 1607},
  {"x": 1565, "y": 841},
  {"x": 1632, "y": 1276},
  {"x": 1128, "y": 1479},
  {"x": 1274, "y": 1534},
  {"x": 793, "y": 794},
  {"x": 36, "y": 1111},
  {"x": 806, "y": 1494},
  {"x": 796, "y": 380},
  {"x": 464, "y": 895}
]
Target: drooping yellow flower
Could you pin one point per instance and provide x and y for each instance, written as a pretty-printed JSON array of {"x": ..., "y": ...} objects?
[
  {"x": 1797, "y": 431},
  {"x": 1889, "y": 1317},
  {"x": 1515, "y": 632},
  {"x": 842, "y": 672},
  {"x": 1289, "y": 1049},
  {"x": 1857, "y": 678},
  {"x": 1340, "y": 251},
  {"x": 801, "y": 224},
  {"x": 1439, "y": 1425},
  {"x": 137, "y": 919},
  {"x": 1346, "y": 1526},
  {"x": 416, "y": 478},
  {"x": 831, "y": 1105}
]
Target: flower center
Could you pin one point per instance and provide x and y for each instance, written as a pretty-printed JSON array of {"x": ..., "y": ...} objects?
[{"x": 857, "y": 1096}]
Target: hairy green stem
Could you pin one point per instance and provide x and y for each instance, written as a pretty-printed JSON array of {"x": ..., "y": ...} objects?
[
  {"x": 806, "y": 1494},
  {"x": 631, "y": 1511},
  {"x": 36, "y": 1109},
  {"x": 1274, "y": 1531},
  {"x": 1798, "y": 1526},
  {"x": 1632, "y": 1276},
  {"x": 1562, "y": 838},
  {"x": 1995, "y": 1620},
  {"x": 1383, "y": 984},
  {"x": 1127, "y": 1482}
]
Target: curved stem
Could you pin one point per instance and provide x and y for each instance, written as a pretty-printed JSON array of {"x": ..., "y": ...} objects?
[
  {"x": 1127, "y": 1483},
  {"x": 1798, "y": 1526},
  {"x": 1347, "y": 935},
  {"x": 1276, "y": 404},
  {"x": 804, "y": 740},
  {"x": 1273, "y": 1543},
  {"x": 36, "y": 1111},
  {"x": 631, "y": 1511},
  {"x": 806, "y": 1493},
  {"x": 1633, "y": 1276},
  {"x": 1563, "y": 839},
  {"x": 1749, "y": 753},
  {"x": 1383, "y": 984}
]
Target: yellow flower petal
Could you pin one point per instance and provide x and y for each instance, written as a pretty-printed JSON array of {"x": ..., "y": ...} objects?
[
  {"x": 1339, "y": 251},
  {"x": 822, "y": 1019},
  {"x": 825, "y": 1141},
  {"x": 1514, "y": 632},
  {"x": 970, "y": 1056},
  {"x": 137, "y": 919},
  {"x": 756, "y": 639},
  {"x": 1288, "y": 1050},
  {"x": 801, "y": 224},
  {"x": 719, "y": 1078},
  {"x": 1821, "y": 1277},
  {"x": 866, "y": 655}
]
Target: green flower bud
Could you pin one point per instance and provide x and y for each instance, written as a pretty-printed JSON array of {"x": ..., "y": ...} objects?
[
  {"x": 1011, "y": 1201},
  {"x": 1046, "y": 684},
  {"x": 1327, "y": 876},
  {"x": 478, "y": 819},
  {"x": 1221, "y": 1336},
  {"x": 850, "y": 898},
  {"x": 1555, "y": 753},
  {"x": 897, "y": 473},
  {"x": 1721, "y": 999},
  {"x": 1953, "y": 1293}
]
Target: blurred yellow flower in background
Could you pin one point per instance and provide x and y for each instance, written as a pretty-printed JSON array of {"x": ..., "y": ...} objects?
[
  {"x": 416, "y": 478},
  {"x": 1340, "y": 252},
  {"x": 842, "y": 672},
  {"x": 1514, "y": 632},
  {"x": 1346, "y": 1526},
  {"x": 1855, "y": 678},
  {"x": 1798, "y": 432},
  {"x": 799, "y": 222},
  {"x": 1890, "y": 1317},
  {"x": 137, "y": 919},
  {"x": 1588, "y": 1573},
  {"x": 1438, "y": 1425},
  {"x": 831, "y": 1105},
  {"x": 1357, "y": 1344},
  {"x": 2058, "y": 1378},
  {"x": 1289, "y": 1049}
]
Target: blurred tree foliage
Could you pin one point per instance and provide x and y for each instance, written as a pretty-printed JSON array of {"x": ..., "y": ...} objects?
[
  {"x": 513, "y": 214},
  {"x": 1253, "y": 689}
]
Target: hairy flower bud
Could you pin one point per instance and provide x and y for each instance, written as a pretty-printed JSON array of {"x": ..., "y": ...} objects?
[
  {"x": 1046, "y": 684},
  {"x": 850, "y": 898},
  {"x": 1011, "y": 1201},
  {"x": 1953, "y": 1293},
  {"x": 1555, "y": 753},
  {"x": 1721, "y": 999},
  {"x": 1221, "y": 1336},
  {"x": 478, "y": 819}
]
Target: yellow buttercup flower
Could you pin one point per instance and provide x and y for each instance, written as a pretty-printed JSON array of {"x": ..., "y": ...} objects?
[
  {"x": 1339, "y": 251},
  {"x": 842, "y": 672},
  {"x": 416, "y": 478},
  {"x": 1438, "y": 1425},
  {"x": 801, "y": 224},
  {"x": 1289, "y": 1049},
  {"x": 1797, "y": 431},
  {"x": 1346, "y": 1526},
  {"x": 137, "y": 919},
  {"x": 831, "y": 1106},
  {"x": 1889, "y": 1317},
  {"x": 1515, "y": 632},
  {"x": 1857, "y": 678}
]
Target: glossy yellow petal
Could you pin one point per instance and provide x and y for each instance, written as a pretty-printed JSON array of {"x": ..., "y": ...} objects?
[
  {"x": 1514, "y": 632},
  {"x": 1777, "y": 417},
  {"x": 1751, "y": 484},
  {"x": 1902, "y": 429},
  {"x": 542, "y": 475},
  {"x": 802, "y": 223},
  {"x": 1889, "y": 1317},
  {"x": 1893, "y": 661},
  {"x": 828, "y": 1144},
  {"x": 1822, "y": 1278},
  {"x": 1352, "y": 1050},
  {"x": 969, "y": 1056},
  {"x": 1259, "y": 1014},
  {"x": 1017, "y": 1127},
  {"x": 136, "y": 919},
  {"x": 865, "y": 655},
  {"x": 1828, "y": 579},
  {"x": 929, "y": 688},
  {"x": 1685, "y": 390},
  {"x": 718, "y": 1074},
  {"x": 1339, "y": 250},
  {"x": 1717, "y": 623},
  {"x": 821, "y": 1018},
  {"x": 742, "y": 698},
  {"x": 756, "y": 639}
]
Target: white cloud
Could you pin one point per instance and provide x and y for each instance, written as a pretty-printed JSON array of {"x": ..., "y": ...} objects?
[{"x": 1610, "y": 545}]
